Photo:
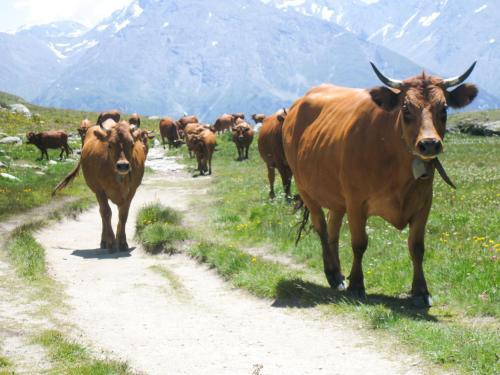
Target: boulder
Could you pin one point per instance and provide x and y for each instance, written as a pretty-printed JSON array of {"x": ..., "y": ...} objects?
[
  {"x": 9, "y": 177},
  {"x": 11, "y": 140},
  {"x": 20, "y": 108},
  {"x": 484, "y": 129}
]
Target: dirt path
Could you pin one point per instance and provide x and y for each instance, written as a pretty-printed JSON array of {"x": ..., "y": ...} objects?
[{"x": 191, "y": 322}]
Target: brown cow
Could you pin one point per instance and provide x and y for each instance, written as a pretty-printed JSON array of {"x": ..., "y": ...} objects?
[
  {"x": 185, "y": 120},
  {"x": 242, "y": 138},
  {"x": 112, "y": 161},
  {"x": 135, "y": 119},
  {"x": 170, "y": 130},
  {"x": 189, "y": 131},
  {"x": 237, "y": 115},
  {"x": 49, "y": 139},
  {"x": 203, "y": 144},
  {"x": 271, "y": 150},
  {"x": 84, "y": 126},
  {"x": 224, "y": 122},
  {"x": 103, "y": 116},
  {"x": 371, "y": 153},
  {"x": 258, "y": 117}
]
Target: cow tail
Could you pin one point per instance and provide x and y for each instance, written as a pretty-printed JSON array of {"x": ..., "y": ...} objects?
[
  {"x": 302, "y": 224},
  {"x": 70, "y": 177}
]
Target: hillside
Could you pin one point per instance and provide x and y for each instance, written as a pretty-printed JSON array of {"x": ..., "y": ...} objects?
[{"x": 204, "y": 57}]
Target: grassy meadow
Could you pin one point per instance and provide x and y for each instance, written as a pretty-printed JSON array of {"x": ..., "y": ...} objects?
[{"x": 461, "y": 264}]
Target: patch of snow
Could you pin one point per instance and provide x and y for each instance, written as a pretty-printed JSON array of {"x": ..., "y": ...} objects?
[
  {"x": 209, "y": 14},
  {"x": 481, "y": 8},
  {"x": 214, "y": 43},
  {"x": 62, "y": 44},
  {"x": 405, "y": 25},
  {"x": 426, "y": 21},
  {"x": 91, "y": 43},
  {"x": 492, "y": 40},
  {"x": 77, "y": 89},
  {"x": 122, "y": 25},
  {"x": 84, "y": 44},
  {"x": 102, "y": 27},
  {"x": 165, "y": 24},
  {"x": 56, "y": 51},
  {"x": 384, "y": 30},
  {"x": 290, "y": 3},
  {"x": 136, "y": 10},
  {"x": 326, "y": 14},
  {"x": 76, "y": 34}
]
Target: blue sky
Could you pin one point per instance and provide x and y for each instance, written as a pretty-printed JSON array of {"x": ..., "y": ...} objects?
[{"x": 16, "y": 13}]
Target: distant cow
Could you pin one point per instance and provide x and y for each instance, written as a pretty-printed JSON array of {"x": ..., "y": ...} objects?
[
  {"x": 135, "y": 119},
  {"x": 169, "y": 130},
  {"x": 258, "y": 117},
  {"x": 271, "y": 150},
  {"x": 144, "y": 136},
  {"x": 371, "y": 152},
  {"x": 237, "y": 115},
  {"x": 191, "y": 130},
  {"x": 242, "y": 137},
  {"x": 203, "y": 144},
  {"x": 49, "y": 139},
  {"x": 223, "y": 123},
  {"x": 82, "y": 129},
  {"x": 185, "y": 120},
  {"x": 113, "y": 114},
  {"x": 112, "y": 161}
]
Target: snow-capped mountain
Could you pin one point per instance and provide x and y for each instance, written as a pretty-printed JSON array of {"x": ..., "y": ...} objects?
[
  {"x": 445, "y": 36},
  {"x": 203, "y": 57}
]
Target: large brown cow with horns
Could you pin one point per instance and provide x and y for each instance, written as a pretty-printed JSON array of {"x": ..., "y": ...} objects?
[
  {"x": 371, "y": 152},
  {"x": 112, "y": 161}
]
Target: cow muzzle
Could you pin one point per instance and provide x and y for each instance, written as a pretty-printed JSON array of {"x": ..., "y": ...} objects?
[
  {"x": 429, "y": 148},
  {"x": 123, "y": 167}
]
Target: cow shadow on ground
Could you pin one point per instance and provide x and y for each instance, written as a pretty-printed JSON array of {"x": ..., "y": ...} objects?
[
  {"x": 99, "y": 253},
  {"x": 298, "y": 293}
]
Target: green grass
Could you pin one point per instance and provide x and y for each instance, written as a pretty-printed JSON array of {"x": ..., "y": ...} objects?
[
  {"x": 69, "y": 357},
  {"x": 462, "y": 270},
  {"x": 26, "y": 255},
  {"x": 158, "y": 228},
  {"x": 260, "y": 277}
]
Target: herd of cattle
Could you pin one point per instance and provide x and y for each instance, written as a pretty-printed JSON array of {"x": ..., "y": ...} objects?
[{"x": 354, "y": 152}]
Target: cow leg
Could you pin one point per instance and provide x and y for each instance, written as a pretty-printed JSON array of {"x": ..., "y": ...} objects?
[
  {"x": 332, "y": 256},
  {"x": 61, "y": 154},
  {"x": 271, "y": 176},
  {"x": 330, "y": 266},
  {"x": 359, "y": 242},
  {"x": 44, "y": 151},
  {"x": 121, "y": 236},
  {"x": 246, "y": 152},
  {"x": 210, "y": 164},
  {"x": 419, "y": 291},
  {"x": 286, "y": 180},
  {"x": 107, "y": 237}
]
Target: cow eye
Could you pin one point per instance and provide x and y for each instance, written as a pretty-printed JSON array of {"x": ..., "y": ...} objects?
[{"x": 406, "y": 112}]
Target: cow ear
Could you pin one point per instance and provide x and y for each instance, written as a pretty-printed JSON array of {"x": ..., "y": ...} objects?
[
  {"x": 385, "y": 98},
  {"x": 281, "y": 117},
  {"x": 102, "y": 135},
  {"x": 462, "y": 95}
]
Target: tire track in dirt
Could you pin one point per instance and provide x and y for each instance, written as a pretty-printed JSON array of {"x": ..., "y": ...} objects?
[{"x": 120, "y": 304}]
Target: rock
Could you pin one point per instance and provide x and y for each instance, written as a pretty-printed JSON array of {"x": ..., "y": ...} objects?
[
  {"x": 52, "y": 162},
  {"x": 9, "y": 177},
  {"x": 485, "y": 129},
  {"x": 20, "y": 108},
  {"x": 11, "y": 140},
  {"x": 40, "y": 173},
  {"x": 2, "y": 165},
  {"x": 156, "y": 143}
]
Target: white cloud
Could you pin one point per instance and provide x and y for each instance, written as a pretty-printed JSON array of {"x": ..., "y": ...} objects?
[{"x": 87, "y": 12}]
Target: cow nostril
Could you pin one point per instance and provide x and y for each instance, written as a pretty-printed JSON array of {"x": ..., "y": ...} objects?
[
  {"x": 429, "y": 147},
  {"x": 123, "y": 166}
]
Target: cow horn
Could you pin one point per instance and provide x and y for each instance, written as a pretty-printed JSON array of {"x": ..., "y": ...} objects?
[
  {"x": 450, "y": 82},
  {"x": 284, "y": 111},
  {"x": 394, "y": 83}
]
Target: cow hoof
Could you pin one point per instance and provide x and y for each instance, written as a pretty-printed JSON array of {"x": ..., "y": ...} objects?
[
  {"x": 336, "y": 281},
  {"x": 422, "y": 301},
  {"x": 123, "y": 246}
]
